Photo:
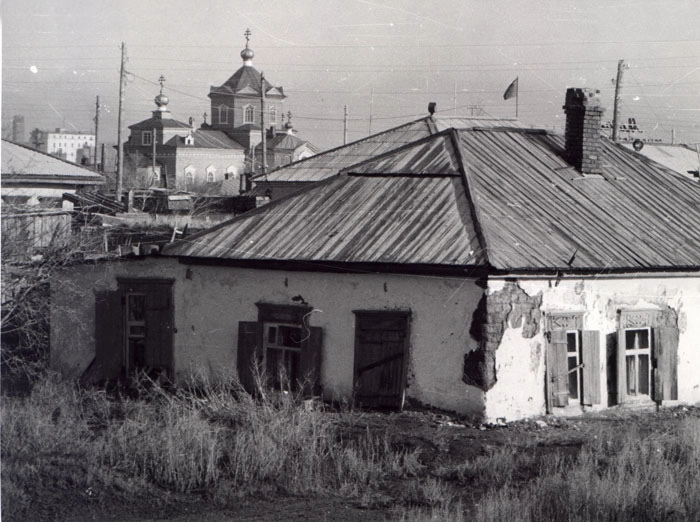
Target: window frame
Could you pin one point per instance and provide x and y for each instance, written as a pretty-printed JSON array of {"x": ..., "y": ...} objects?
[
  {"x": 246, "y": 119},
  {"x": 146, "y": 138},
  {"x": 635, "y": 353},
  {"x": 223, "y": 113}
]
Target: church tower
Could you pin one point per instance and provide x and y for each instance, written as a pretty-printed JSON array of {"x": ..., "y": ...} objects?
[{"x": 235, "y": 105}]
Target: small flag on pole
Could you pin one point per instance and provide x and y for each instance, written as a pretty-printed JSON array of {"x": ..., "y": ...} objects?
[{"x": 512, "y": 90}]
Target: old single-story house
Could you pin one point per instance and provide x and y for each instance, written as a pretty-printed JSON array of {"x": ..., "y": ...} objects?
[
  {"x": 34, "y": 178},
  {"x": 497, "y": 271}
]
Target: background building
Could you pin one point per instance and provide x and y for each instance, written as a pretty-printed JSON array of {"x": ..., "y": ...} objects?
[{"x": 74, "y": 146}]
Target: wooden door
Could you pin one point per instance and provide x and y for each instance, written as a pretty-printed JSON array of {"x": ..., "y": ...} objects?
[
  {"x": 148, "y": 323},
  {"x": 381, "y": 358}
]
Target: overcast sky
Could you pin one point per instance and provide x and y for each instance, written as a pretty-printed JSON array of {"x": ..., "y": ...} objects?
[{"x": 59, "y": 54}]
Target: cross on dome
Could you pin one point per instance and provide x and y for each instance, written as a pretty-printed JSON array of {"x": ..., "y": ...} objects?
[
  {"x": 247, "y": 53},
  {"x": 161, "y": 100}
]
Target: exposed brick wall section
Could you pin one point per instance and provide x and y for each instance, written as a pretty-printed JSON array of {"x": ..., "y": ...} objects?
[
  {"x": 583, "y": 142},
  {"x": 510, "y": 307}
]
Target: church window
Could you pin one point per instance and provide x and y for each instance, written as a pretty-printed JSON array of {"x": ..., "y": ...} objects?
[
  {"x": 273, "y": 115},
  {"x": 223, "y": 114},
  {"x": 211, "y": 174},
  {"x": 189, "y": 176},
  {"x": 249, "y": 114}
]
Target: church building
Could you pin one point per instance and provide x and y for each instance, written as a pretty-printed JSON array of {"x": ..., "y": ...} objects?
[
  {"x": 216, "y": 158},
  {"x": 241, "y": 110}
]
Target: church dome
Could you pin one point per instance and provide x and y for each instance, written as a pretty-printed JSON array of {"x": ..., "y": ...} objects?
[
  {"x": 161, "y": 100},
  {"x": 247, "y": 54}
]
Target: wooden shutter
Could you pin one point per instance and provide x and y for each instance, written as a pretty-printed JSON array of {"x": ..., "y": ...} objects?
[
  {"x": 666, "y": 368},
  {"x": 249, "y": 354},
  {"x": 311, "y": 353},
  {"x": 621, "y": 367},
  {"x": 159, "y": 327},
  {"x": 109, "y": 334},
  {"x": 590, "y": 357},
  {"x": 557, "y": 369}
]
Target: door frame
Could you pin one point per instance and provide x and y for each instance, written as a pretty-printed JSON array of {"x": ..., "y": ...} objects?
[
  {"x": 137, "y": 285},
  {"x": 404, "y": 313}
]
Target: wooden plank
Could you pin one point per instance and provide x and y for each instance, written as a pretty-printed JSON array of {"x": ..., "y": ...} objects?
[
  {"x": 311, "y": 357},
  {"x": 557, "y": 369},
  {"x": 159, "y": 327},
  {"x": 666, "y": 358},
  {"x": 247, "y": 354},
  {"x": 621, "y": 367},
  {"x": 590, "y": 348},
  {"x": 109, "y": 334}
]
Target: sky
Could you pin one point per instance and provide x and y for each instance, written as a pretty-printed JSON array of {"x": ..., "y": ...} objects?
[{"x": 384, "y": 58}]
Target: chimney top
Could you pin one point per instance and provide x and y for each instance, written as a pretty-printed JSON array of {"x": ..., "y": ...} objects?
[
  {"x": 432, "y": 108},
  {"x": 582, "y": 97},
  {"x": 583, "y": 117}
]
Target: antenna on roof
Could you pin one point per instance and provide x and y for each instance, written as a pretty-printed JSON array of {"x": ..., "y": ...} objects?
[{"x": 432, "y": 107}]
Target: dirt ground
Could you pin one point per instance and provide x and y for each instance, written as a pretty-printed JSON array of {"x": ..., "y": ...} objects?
[{"x": 442, "y": 439}]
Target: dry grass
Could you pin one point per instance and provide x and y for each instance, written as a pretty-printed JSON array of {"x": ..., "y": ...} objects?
[
  {"x": 220, "y": 443},
  {"x": 214, "y": 439},
  {"x": 620, "y": 475}
]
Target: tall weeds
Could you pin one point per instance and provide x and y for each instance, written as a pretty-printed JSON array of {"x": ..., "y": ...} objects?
[
  {"x": 214, "y": 438},
  {"x": 630, "y": 478}
]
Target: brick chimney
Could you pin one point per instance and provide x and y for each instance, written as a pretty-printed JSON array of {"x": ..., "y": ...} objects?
[{"x": 583, "y": 117}]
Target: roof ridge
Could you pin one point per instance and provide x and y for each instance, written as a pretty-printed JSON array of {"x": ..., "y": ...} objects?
[{"x": 468, "y": 193}]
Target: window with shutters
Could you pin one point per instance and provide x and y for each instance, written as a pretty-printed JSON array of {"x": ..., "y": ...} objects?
[
  {"x": 282, "y": 352},
  {"x": 283, "y": 347},
  {"x": 572, "y": 362},
  {"x": 647, "y": 356},
  {"x": 637, "y": 357}
]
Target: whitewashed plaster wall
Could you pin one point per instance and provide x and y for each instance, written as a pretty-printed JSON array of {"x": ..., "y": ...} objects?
[
  {"x": 209, "y": 305},
  {"x": 520, "y": 392}
]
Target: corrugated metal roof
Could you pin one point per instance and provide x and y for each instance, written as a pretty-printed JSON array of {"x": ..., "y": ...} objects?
[
  {"x": 207, "y": 139},
  {"x": 536, "y": 211},
  {"x": 329, "y": 163},
  {"x": 282, "y": 141},
  {"x": 515, "y": 205},
  {"x": 246, "y": 77},
  {"x": 351, "y": 219},
  {"x": 22, "y": 164},
  {"x": 159, "y": 123},
  {"x": 679, "y": 158}
]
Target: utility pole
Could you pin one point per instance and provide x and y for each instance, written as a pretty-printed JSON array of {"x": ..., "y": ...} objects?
[
  {"x": 120, "y": 145},
  {"x": 371, "y": 102},
  {"x": 345, "y": 126},
  {"x": 97, "y": 130},
  {"x": 455, "y": 98},
  {"x": 155, "y": 140},
  {"x": 618, "y": 94},
  {"x": 263, "y": 166}
]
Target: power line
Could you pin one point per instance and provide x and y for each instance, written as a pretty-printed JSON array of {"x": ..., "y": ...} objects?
[{"x": 379, "y": 46}]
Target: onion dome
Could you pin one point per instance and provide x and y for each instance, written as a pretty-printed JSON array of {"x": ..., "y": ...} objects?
[
  {"x": 247, "y": 54},
  {"x": 161, "y": 101}
]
